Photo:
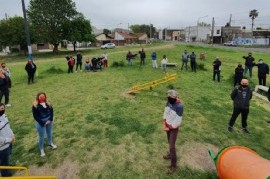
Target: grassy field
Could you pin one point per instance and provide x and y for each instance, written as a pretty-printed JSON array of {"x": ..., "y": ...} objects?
[{"x": 103, "y": 132}]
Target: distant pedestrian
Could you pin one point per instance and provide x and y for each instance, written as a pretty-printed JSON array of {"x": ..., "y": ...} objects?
[
  {"x": 263, "y": 71},
  {"x": 105, "y": 60},
  {"x": 249, "y": 64},
  {"x": 154, "y": 59},
  {"x": 142, "y": 57},
  {"x": 185, "y": 57},
  {"x": 193, "y": 61},
  {"x": 71, "y": 63},
  {"x": 129, "y": 58},
  {"x": 238, "y": 75},
  {"x": 7, "y": 138},
  {"x": 79, "y": 61},
  {"x": 164, "y": 62},
  {"x": 241, "y": 95},
  {"x": 87, "y": 65},
  {"x": 216, "y": 69},
  {"x": 30, "y": 68},
  {"x": 172, "y": 119}
]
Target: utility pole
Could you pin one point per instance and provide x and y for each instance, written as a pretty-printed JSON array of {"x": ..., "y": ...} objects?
[
  {"x": 6, "y": 16},
  {"x": 150, "y": 32},
  {"x": 212, "y": 31},
  {"x": 27, "y": 32},
  {"x": 230, "y": 20}
]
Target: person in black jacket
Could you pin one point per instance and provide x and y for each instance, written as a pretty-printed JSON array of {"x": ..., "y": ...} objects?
[
  {"x": 142, "y": 56},
  {"x": 238, "y": 74},
  {"x": 5, "y": 85},
  {"x": 241, "y": 95},
  {"x": 249, "y": 64},
  {"x": 216, "y": 69},
  {"x": 30, "y": 68},
  {"x": 43, "y": 114},
  {"x": 79, "y": 61},
  {"x": 263, "y": 70}
]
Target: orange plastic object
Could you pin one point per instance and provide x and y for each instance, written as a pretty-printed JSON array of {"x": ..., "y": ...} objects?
[{"x": 238, "y": 162}]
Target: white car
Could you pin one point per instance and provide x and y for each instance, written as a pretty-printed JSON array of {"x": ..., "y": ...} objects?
[
  {"x": 230, "y": 43},
  {"x": 108, "y": 45}
]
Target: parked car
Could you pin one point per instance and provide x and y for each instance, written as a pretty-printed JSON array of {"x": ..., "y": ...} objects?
[
  {"x": 108, "y": 45},
  {"x": 230, "y": 43}
]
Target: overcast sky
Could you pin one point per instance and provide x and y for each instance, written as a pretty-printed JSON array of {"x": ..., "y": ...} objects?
[{"x": 161, "y": 13}]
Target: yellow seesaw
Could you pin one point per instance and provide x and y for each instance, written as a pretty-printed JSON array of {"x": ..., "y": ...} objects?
[
  {"x": 152, "y": 84},
  {"x": 26, "y": 173}
]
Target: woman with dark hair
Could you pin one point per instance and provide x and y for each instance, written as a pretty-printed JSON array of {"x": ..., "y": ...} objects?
[
  {"x": 43, "y": 114},
  {"x": 30, "y": 68}
]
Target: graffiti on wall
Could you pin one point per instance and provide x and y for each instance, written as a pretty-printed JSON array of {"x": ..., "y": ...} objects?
[{"x": 251, "y": 41}]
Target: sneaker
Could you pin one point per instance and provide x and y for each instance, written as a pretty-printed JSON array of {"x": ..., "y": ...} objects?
[
  {"x": 8, "y": 105},
  {"x": 42, "y": 153},
  {"x": 171, "y": 170},
  {"x": 52, "y": 146},
  {"x": 230, "y": 129},
  {"x": 246, "y": 131},
  {"x": 167, "y": 157}
]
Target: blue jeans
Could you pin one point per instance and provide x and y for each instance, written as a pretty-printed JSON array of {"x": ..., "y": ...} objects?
[
  {"x": 41, "y": 133},
  {"x": 129, "y": 61},
  {"x": 4, "y": 161},
  {"x": 250, "y": 71}
]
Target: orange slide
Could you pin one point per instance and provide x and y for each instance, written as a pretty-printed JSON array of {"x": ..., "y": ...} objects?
[{"x": 238, "y": 162}]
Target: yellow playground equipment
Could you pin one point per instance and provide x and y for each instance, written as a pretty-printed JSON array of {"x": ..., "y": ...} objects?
[
  {"x": 26, "y": 173},
  {"x": 152, "y": 84}
]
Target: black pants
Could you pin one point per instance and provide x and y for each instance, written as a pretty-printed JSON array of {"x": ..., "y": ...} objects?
[
  {"x": 70, "y": 69},
  {"x": 78, "y": 64},
  {"x": 216, "y": 73},
  {"x": 244, "y": 115},
  {"x": 171, "y": 136},
  {"x": 237, "y": 80},
  {"x": 193, "y": 66},
  {"x": 262, "y": 80},
  {"x": 184, "y": 63},
  {"x": 142, "y": 61},
  {"x": 31, "y": 77},
  {"x": 4, "y": 161},
  {"x": 5, "y": 93}
]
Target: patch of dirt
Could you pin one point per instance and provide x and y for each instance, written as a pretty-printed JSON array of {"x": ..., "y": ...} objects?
[
  {"x": 196, "y": 156},
  {"x": 68, "y": 170},
  {"x": 128, "y": 96}
]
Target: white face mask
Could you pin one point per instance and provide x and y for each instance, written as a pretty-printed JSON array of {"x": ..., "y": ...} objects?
[
  {"x": 261, "y": 62},
  {"x": 43, "y": 104}
]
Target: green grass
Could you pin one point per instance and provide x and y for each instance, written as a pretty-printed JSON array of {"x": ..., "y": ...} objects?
[{"x": 111, "y": 134}]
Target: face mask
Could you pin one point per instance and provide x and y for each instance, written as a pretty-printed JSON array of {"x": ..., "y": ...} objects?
[
  {"x": 244, "y": 86},
  {"x": 171, "y": 100},
  {"x": 42, "y": 99},
  {"x": 2, "y": 112}
]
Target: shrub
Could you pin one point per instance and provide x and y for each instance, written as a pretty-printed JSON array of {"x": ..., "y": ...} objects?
[
  {"x": 118, "y": 64},
  {"x": 54, "y": 70},
  {"x": 200, "y": 66}
]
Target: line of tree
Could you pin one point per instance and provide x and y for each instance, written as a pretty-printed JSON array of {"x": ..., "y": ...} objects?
[
  {"x": 50, "y": 21},
  {"x": 150, "y": 30}
]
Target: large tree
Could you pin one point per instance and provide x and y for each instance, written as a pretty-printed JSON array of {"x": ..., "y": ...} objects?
[
  {"x": 48, "y": 18},
  {"x": 78, "y": 30},
  {"x": 150, "y": 30},
  {"x": 253, "y": 14},
  {"x": 12, "y": 32}
]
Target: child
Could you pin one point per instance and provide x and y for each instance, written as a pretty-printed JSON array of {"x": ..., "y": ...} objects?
[
  {"x": 87, "y": 65},
  {"x": 164, "y": 63}
]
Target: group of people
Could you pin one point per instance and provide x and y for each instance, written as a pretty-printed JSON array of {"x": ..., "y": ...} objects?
[
  {"x": 43, "y": 114},
  {"x": 93, "y": 64}
]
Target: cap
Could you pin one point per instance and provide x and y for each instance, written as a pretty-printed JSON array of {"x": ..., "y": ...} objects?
[{"x": 172, "y": 93}]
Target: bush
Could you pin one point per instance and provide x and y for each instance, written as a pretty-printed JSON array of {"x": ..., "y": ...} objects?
[
  {"x": 54, "y": 70},
  {"x": 200, "y": 66},
  {"x": 118, "y": 64}
]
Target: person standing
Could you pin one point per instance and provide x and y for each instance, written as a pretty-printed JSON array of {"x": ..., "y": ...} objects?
[
  {"x": 142, "y": 57},
  {"x": 238, "y": 74},
  {"x": 71, "y": 63},
  {"x": 241, "y": 96},
  {"x": 193, "y": 61},
  {"x": 79, "y": 61},
  {"x": 43, "y": 115},
  {"x": 105, "y": 60},
  {"x": 5, "y": 69},
  {"x": 5, "y": 85},
  {"x": 7, "y": 138},
  {"x": 30, "y": 68},
  {"x": 154, "y": 59},
  {"x": 129, "y": 58},
  {"x": 263, "y": 70},
  {"x": 249, "y": 64},
  {"x": 172, "y": 119},
  {"x": 185, "y": 57},
  {"x": 216, "y": 69},
  {"x": 164, "y": 62}
]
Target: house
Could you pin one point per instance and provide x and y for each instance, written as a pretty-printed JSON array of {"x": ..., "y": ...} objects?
[
  {"x": 197, "y": 33},
  {"x": 170, "y": 34},
  {"x": 230, "y": 32},
  {"x": 178, "y": 35},
  {"x": 103, "y": 39},
  {"x": 122, "y": 38}
]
